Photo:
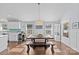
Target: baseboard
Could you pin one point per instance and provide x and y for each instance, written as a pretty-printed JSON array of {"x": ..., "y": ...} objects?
[{"x": 70, "y": 47}]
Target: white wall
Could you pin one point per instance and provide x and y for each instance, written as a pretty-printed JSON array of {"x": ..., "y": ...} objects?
[
  {"x": 77, "y": 40},
  {"x": 73, "y": 40},
  {"x": 74, "y": 35},
  {"x": 64, "y": 39}
]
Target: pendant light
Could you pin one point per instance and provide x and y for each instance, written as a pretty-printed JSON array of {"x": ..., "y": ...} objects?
[{"x": 39, "y": 21}]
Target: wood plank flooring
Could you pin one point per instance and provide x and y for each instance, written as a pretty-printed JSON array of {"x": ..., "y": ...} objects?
[{"x": 21, "y": 49}]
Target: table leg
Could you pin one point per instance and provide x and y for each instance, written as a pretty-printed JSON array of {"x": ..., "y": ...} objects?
[
  {"x": 45, "y": 41},
  {"x": 28, "y": 49},
  {"x": 52, "y": 49},
  {"x": 45, "y": 47}
]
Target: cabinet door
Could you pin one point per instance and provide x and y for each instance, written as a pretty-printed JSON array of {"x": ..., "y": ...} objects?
[
  {"x": 13, "y": 36},
  {"x": 3, "y": 42}
]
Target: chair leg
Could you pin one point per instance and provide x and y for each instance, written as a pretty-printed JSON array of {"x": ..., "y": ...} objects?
[
  {"x": 52, "y": 49},
  {"x": 28, "y": 49}
]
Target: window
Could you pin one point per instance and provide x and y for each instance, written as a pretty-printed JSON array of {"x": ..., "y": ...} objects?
[
  {"x": 29, "y": 29},
  {"x": 48, "y": 26},
  {"x": 48, "y": 31},
  {"x": 29, "y": 26},
  {"x": 39, "y": 26}
]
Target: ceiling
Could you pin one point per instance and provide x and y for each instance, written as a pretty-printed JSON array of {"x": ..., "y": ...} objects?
[{"x": 30, "y": 12}]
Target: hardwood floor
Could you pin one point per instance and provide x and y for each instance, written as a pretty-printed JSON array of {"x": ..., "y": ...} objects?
[{"x": 21, "y": 49}]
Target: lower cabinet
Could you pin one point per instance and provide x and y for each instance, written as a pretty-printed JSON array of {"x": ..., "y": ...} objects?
[
  {"x": 13, "y": 36},
  {"x": 3, "y": 42}
]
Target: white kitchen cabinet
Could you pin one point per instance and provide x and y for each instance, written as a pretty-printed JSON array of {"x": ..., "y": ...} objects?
[
  {"x": 3, "y": 42},
  {"x": 13, "y": 36}
]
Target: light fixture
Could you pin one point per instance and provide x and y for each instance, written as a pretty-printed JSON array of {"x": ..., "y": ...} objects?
[
  {"x": 39, "y": 21},
  {"x": 39, "y": 11}
]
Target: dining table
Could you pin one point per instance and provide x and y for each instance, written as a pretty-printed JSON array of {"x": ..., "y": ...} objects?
[{"x": 44, "y": 44}]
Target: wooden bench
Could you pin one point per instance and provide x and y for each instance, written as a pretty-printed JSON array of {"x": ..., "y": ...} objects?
[{"x": 33, "y": 45}]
